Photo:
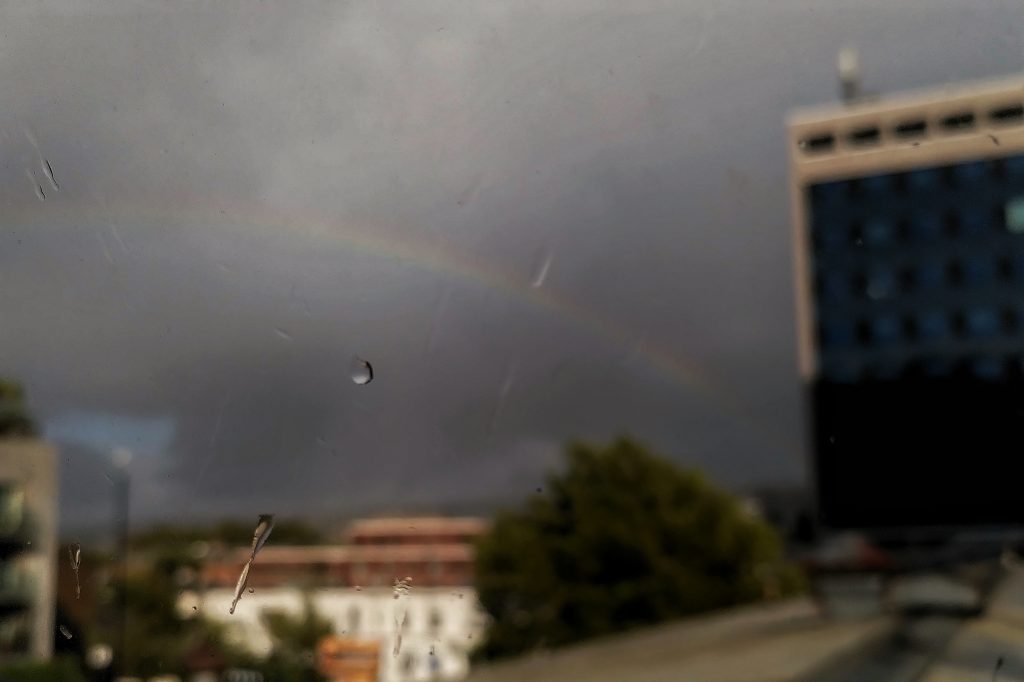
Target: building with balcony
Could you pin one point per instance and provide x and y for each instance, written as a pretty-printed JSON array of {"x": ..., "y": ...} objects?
[{"x": 28, "y": 547}]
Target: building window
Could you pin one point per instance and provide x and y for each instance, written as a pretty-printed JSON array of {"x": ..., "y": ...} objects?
[
  {"x": 354, "y": 616},
  {"x": 434, "y": 622}
]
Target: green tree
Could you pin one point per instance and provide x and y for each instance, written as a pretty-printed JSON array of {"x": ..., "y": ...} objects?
[
  {"x": 156, "y": 635},
  {"x": 57, "y": 670},
  {"x": 622, "y": 538},
  {"x": 294, "y": 640},
  {"x": 158, "y": 639},
  {"x": 14, "y": 415}
]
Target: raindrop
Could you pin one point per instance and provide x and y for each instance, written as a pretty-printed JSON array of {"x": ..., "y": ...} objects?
[
  {"x": 541, "y": 273},
  {"x": 259, "y": 538},
  {"x": 48, "y": 172},
  {"x": 195, "y": 608},
  {"x": 283, "y": 334},
  {"x": 399, "y": 630},
  {"x": 75, "y": 556},
  {"x": 64, "y": 631},
  {"x": 359, "y": 588},
  {"x": 402, "y": 587},
  {"x": 35, "y": 185},
  {"x": 361, "y": 371},
  {"x": 999, "y": 665},
  {"x": 252, "y": 590}
]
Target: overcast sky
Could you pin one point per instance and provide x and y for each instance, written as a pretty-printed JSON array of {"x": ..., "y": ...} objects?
[{"x": 538, "y": 220}]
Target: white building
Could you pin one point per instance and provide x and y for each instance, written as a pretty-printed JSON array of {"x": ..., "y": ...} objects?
[
  {"x": 437, "y": 619},
  {"x": 441, "y": 625}
]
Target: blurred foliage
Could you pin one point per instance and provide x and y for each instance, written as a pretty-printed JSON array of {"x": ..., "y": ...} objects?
[
  {"x": 232, "y": 532},
  {"x": 57, "y": 670},
  {"x": 155, "y": 635},
  {"x": 14, "y": 415},
  {"x": 158, "y": 638},
  {"x": 294, "y": 640},
  {"x": 621, "y": 539}
]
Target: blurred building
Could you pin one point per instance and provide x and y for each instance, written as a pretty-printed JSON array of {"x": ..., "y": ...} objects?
[
  {"x": 352, "y": 585},
  {"x": 909, "y": 262},
  {"x": 346, "y": 659},
  {"x": 28, "y": 548}
]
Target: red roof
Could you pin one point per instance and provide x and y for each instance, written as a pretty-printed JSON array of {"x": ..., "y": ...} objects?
[
  {"x": 356, "y": 553},
  {"x": 417, "y": 525}
]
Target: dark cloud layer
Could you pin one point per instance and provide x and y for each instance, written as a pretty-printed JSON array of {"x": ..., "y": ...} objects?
[{"x": 249, "y": 195}]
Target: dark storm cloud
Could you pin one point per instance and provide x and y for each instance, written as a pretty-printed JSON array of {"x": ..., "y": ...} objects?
[{"x": 249, "y": 195}]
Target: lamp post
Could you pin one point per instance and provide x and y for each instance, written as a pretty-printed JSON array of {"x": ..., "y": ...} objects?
[{"x": 122, "y": 458}]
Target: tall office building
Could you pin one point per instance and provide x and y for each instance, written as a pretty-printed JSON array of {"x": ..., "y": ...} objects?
[
  {"x": 28, "y": 549},
  {"x": 909, "y": 263}
]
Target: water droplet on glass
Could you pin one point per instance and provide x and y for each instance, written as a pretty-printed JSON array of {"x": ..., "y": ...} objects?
[
  {"x": 252, "y": 590},
  {"x": 541, "y": 272},
  {"x": 195, "y": 608},
  {"x": 358, "y": 588},
  {"x": 48, "y": 172},
  {"x": 259, "y": 538},
  {"x": 361, "y": 371},
  {"x": 402, "y": 587},
  {"x": 399, "y": 630},
  {"x": 75, "y": 556},
  {"x": 64, "y": 631},
  {"x": 38, "y": 188}
]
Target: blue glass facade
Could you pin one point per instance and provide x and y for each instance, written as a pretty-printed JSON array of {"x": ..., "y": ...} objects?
[
  {"x": 924, "y": 264},
  {"x": 918, "y": 299}
]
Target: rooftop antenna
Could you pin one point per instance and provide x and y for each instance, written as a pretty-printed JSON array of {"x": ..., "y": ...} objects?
[{"x": 849, "y": 74}]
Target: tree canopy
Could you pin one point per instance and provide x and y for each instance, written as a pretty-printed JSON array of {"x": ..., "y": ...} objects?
[
  {"x": 621, "y": 538},
  {"x": 295, "y": 637}
]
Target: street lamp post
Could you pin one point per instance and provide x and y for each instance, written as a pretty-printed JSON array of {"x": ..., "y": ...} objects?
[{"x": 122, "y": 457}]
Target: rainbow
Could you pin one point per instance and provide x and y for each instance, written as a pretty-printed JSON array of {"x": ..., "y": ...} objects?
[{"x": 411, "y": 251}]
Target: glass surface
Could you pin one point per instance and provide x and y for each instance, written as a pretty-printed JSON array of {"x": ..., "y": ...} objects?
[{"x": 498, "y": 340}]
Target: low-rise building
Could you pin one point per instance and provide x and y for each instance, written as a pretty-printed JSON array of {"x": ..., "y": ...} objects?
[{"x": 424, "y": 628}]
